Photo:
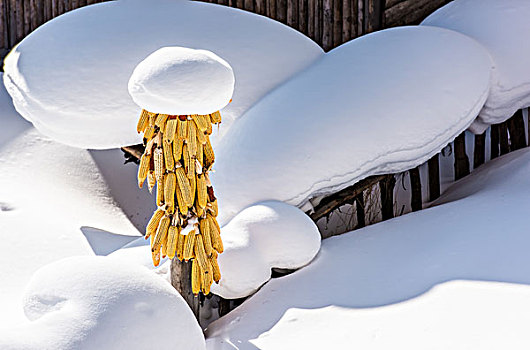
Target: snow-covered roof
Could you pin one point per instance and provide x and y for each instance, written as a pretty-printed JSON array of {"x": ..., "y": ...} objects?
[
  {"x": 502, "y": 26},
  {"x": 69, "y": 77},
  {"x": 382, "y": 103},
  {"x": 182, "y": 81}
]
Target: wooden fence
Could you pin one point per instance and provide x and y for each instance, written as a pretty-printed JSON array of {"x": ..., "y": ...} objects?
[{"x": 328, "y": 22}]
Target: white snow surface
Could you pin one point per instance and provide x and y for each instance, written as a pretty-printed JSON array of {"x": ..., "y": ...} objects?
[
  {"x": 382, "y": 103},
  {"x": 182, "y": 81},
  {"x": 502, "y": 27},
  {"x": 102, "y": 303},
  {"x": 69, "y": 77},
  {"x": 373, "y": 288},
  {"x": 263, "y": 236}
]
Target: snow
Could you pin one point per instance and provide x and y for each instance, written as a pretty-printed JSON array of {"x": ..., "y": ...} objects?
[
  {"x": 394, "y": 282},
  {"x": 182, "y": 81},
  {"x": 501, "y": 27},
  {"x": 69, "y": 77},
  {"x": 102, "y": 303},
  {"x": 54, "y": 203},
  {"x": 264, "y": 236},
  {"x": 382, "y": 103}
]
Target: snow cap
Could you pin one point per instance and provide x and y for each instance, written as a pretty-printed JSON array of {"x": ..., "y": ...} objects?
[{"x": 182, "y": 81}]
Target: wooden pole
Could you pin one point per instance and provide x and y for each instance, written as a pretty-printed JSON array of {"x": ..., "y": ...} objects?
[
  {"x": 3, "y": 26},
  {"x": 319, "y": 15},
  {"x": 479, "y": 153},
  {"x": 260, "y": 7},
  {"x": 517, "y": 131},
  {"x": 433, "y": 165},
  {"x": 461, "y": 160},
  {"x": 19, "y": 18},
  {"x": 302, "y": 16},
  {"x": 359, "y": 210},
  {"x": 292, "y": 13},
  {"x": 503, "y": 138},
  {"x": 311, "y": 19},
  {"x": 27, "y": 16},
  {"x": 494, "y": 138},
  {"x": 327, "y": 25},
  {"x": 337, "y": 22},
  {"x": 387, "y": 196},
  {"x": 415, "y": 185},
  {"x": 248, "y": 5},
  {"x": 180, "y": 279},
  {"x": 281, "y": 8},
  {"x": 346, "y": 20}
]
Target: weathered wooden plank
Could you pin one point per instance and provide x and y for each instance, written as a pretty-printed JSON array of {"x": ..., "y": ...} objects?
[
  {"x": 479, "y": 152},
  {"x": 19, "y": 18},
  {"x": 503, "y": 138},
  {"x": 346, "y": 20},
  {"x": 337, "y": 22},
  {"x": 47, "y": 10},
  {"x": 375, "y": 15},
  {"x": 461, "y": 160},
  {"x": 27, "y": 16},
  {"x": 272, "y": 9},
  {"x": 360, "y": 17},
  {"x": 60, "y": 7},
  {"x": 311, "y": 6},
  {"x": 433, "y": 165},
  {"x": 281, "y": 10},
  {"x": 409, "y": 11},
  {"x": 180, "y": 273},
  {"x": 302, "y": 16},
  {"x": 260, "y": 7},
  {"x": 415, "y": 187},
  {"x": 495, "y": 139},
  {"x": 517, "y": 131},
  {"x": 359, "y": 210},
  {"x": 4, "y": 44},
  {"x": 319, "y": 15},
  {"x": 327, "y": 25},
  {"x": 387, "y": 196},
  {"x": 248, "y": 5},
  {"x": 292, "y": 13}
]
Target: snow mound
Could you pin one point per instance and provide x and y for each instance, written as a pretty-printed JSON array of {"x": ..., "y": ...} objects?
[
  {"x": 506, "y": 42},
  {"x": 69, "y": 77},
  {"x": 375, "y": 278},
  {"x": 389, "y": 100},
  {"x": 263, "y": 236},
  {"x": 101, "y": 303},
  {"x": 182, "y": 81}
]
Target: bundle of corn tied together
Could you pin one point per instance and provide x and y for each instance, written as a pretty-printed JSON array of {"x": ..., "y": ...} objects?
[{"x": 177, "y": 158}]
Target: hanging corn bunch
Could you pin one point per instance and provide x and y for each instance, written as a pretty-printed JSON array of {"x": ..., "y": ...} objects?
[
  {"x": 186, "y": 88},
  {"x": 178, "y": 157}
]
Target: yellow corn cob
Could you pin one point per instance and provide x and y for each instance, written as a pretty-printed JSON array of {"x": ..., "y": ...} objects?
[
  {"x": 143, "y": 169},
  {"x": 160, "y": 193},
  {"x": 209, "y": 156},
  {"x": 149, "y": 132},
  {"x": 200, "y": 155},
  {"x": 191, "y": 140},
  {"x": 216, "y": 272},
  {"x": 206, "y": 279},
  {"x": 189, "y": 165},
  {"x": 193, "y": 187},
  {"x": 171, "y": 129},
  {"x": 200, "y": 253},
  {"x": 172, "y": 238},
  {"x": 184, "y": 186},
  {"x": 161, "y": 121},
  {"x": 215, "y": 117},
  {"x": 189, "y": 245},
  {"x": 195, "y": 278},
  {"x": 202, "y": 191},
  {"x": 152, "y": 118},
  {"x": 201, "y": 121},
  {"x": 177, "y": 149},
  {"x": 212, "y": 206},
  {"x": 182, "y": 129},
  {"x": 206, "y": 237},
  {"x": 143, "y": 122},
  {"x": 153, "y": 223},
  {"x": 202, "y": 137},
  {"x": 180, "y": 246},
  {"x": 159, "y": 163},
  {"x": 151, "y": 180},
  {"x": 168, "y": 156},
  {"x": 200, "y": 211},
  {"x": 161, "y": 232},
  {"x": 209, "y": 130},
  {"x": 170, "y": 184},
  {"x": 215, "y": 234},
  {"x": 155, "y": 255},
  {"x": 163, "y": 247},
  {"x": 183, "y": 206}
]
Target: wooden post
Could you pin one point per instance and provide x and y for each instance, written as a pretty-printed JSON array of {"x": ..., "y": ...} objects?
[
  {"x": 281, "y": 8},
  {"x": 517, "y": 131},
  {"x": 494, "y": 136},
  {"x": 311, "y": 19},
  {"x": 337, "y": 22},
  {"x": 346, "y": 20},
  {"x": 359, "y": 210},
  {"x": 248, "y": 5},
  {"x": 374, "y": 13},
  {"x": 292, "y": 13},
  {"x": 271, "y": 5},
  {"x": 415, "y": 186},
  {"x": 479, "y": 154},
  {"x": 354, "y": 17},
  {"x": 19, "y": 18},
  {"x": 302, "y": 16},
  {"x": 3, "y": 26},
  {"x": 327, "y": 26},
  {"x": 433, "y": 165},
  {"x": 387, "y": 196},
  {"x": 461, "y": 159},
  {"x": 503, "y": 138},
  {"x": 319, "y": 15},
  {"x": 180, "y": 279},
  {"x": 27, "y": 16}
]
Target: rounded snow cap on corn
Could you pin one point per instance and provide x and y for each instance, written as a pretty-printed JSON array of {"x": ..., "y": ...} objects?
[{"x": 182, "y": 81}]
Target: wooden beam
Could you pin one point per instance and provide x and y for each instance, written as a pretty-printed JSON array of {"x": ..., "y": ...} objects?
[
  {"x": 347, "y": 195},
  {"x": 415, "y": 186}
]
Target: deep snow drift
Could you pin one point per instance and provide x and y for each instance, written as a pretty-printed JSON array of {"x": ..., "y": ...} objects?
[
  {"x": 182, "y": 81},
  {"x": 382, "y": 103},
  {"x": 502, "y": 27},
  {"x": 480, "y": 233},
  {"x": 69, "y": 77},
  {"x": 101, "y": 303},
  {"x": 263, "y": 236}
]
